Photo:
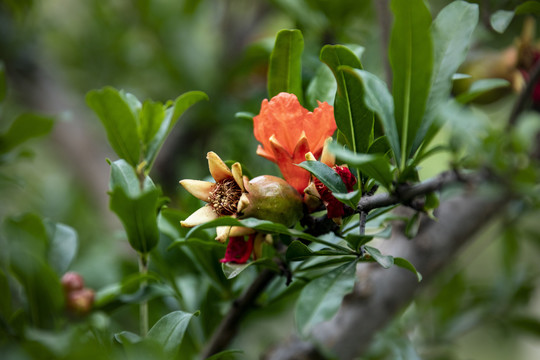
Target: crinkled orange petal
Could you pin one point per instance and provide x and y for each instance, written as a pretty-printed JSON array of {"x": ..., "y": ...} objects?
[
  {"x": 265, "y": 154},
  {"x": 318, "y": 126},
  {"x": 218, "y": 169},
  {"x": 282, "y": 115},
  {"x": 294, "y": 175}
]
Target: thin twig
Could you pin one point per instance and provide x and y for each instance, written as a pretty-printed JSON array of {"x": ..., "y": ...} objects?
[
  {"x": 407, "y": 194},
  {"x": 229, "y": 325}
]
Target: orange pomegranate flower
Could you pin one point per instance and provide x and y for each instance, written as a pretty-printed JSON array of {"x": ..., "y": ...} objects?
[{"x": 288, "y": 131}]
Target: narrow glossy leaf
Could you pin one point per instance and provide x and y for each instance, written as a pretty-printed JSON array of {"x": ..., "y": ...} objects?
[
  {"x": 263, "y": 226},
  {"x": 139, "y": 217},
  {"x": 379, "y": 100},
  {"x": 321, "y": 88},
  {"x": 353, "y": 118},
  {"x": 232, "y": 270},
  {"x": 356, "y": 241},
  {"x": 128, "y": 291},
  {"x": 119, "y": 121},
  {"x": 172, "y": 114},
  {"x": 169, "y": 332},
  {"x": 297, "y": 251},
  {"x": 285, "y": 68},
  {"x": 150, "y": 119},
  {"x": 63, "y": 246},
  {"x": 123, "y": 176},
  {"x": 27, "y": 245},
  {"x": 25, "y": 127},
  {"x": 3, "y": 82},
  {"x": 452, "y": 33},
  {"x": 320, "y": 299},
  {"x": 411, "y": 58},
  {"x": 500, "y": 20},
  {"x": 481, "y": 87},
  {"x": 5, "y": 298},
  {"x": 326, "y": 175},
  {"x": 401, "y": 262},
  {"x": 127, "y": 337},
  {"x": 529, "y": 7},
  {"x": 376, "y": 166},
  {"x": 386, "y": 261}
]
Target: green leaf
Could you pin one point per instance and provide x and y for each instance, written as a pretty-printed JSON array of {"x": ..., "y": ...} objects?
[
  {"x": 452, "y": 33},
  {"x": 298, "y": 251},
  {"x": 139, "y": 217},
  {"x": 172, "y": 114},
  {"x": 322, "y": 87},
  {"x": 481, "y": 87},
  {"x": 356, "y": 241},
  {"x": 5, "y": 298},
  {"x": 262, "y": 226},
  {"x": 169, "y": 331},
  {"x": 529, "y": 7},
  {"x": 379, "y": 100},
  {"x": 150, "y": 119},
  {"x": 232, "y": 270},
  {"x": 3, "y": 82},
  {"x": 376, "y": 166},
  {"x": 116, "y": 115},
  {"x": 63, "y": 246},
  {"x": 386, "y": 261},
  {"x": 500, "y": 20},
  {"x": 401, "y": 262},
  {"x": 123, "y": 176},
  {"x": 320, "y": 299},
  {"x": 411, "y": 58},
  {"x": 25, "y": 127},
  {"x": 127, "y": 337},
  {"x": 285, "y": 68},
  {"x": 128, "y": 291},
  {"x": 353, "y": 118},
  {"x": 28, "y": 243},
  {"x": 325, "y": 174}
]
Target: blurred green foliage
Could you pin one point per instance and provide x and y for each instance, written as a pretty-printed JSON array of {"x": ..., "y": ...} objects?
[{"x": 158, "y": 50}]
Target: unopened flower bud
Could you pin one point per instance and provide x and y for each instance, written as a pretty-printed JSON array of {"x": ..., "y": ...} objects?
[
  {"x": 80, "y": 301},
  {"x": 72, "y": 281},
  {"x": 270, "y": 198}
]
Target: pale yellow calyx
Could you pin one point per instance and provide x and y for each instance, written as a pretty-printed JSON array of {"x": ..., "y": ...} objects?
[
  {"x": 311, "y": 189},
  {"x": 243, "y": 203},
  {"x": 218, "y": 169},
  {"x": 327, "y": 157},
  {"x": 201, "y": 216},
  {"x": 224, "y": 232},
  {"x": 310, "y": 157},
  {"x": 200, "y": 189},
  {"x": 237, "y": 175}
]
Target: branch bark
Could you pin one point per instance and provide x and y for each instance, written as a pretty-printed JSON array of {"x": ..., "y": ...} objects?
[{"x": 381, "y": 293}]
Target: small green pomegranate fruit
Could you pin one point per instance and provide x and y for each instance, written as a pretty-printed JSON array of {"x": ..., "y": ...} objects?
[{"x": 271, "y": 198}]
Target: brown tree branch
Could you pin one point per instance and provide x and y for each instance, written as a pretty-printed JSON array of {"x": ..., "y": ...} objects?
[
  {"x": 381, "y": 293},
  {"x": 228, "y": 327}
]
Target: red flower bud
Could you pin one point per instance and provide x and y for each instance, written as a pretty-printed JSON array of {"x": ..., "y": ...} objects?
[
  {"x": 80, "y": 301},
  {"x": 72, "y": 281}
]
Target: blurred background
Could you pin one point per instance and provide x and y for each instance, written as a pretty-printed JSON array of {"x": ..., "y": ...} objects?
[{"x": 55, "y": 51}]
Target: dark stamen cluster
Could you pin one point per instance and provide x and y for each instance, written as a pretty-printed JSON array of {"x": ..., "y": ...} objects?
[{"x": 225, "y": 196}]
